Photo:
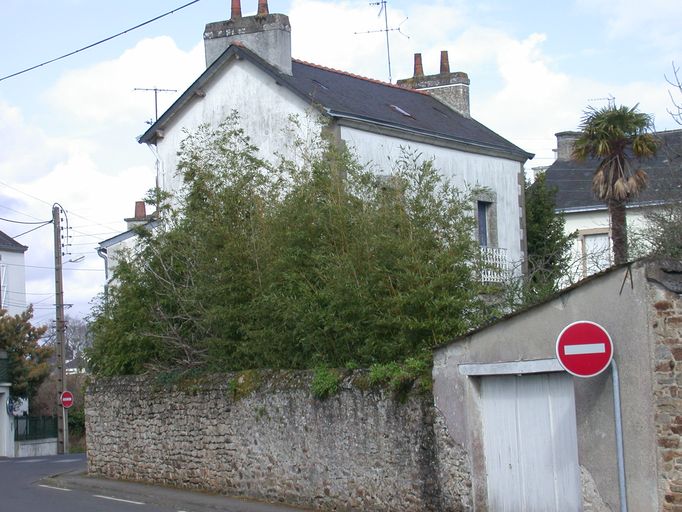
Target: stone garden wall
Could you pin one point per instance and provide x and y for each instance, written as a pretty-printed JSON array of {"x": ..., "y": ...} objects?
[{"x": 263, "y": 435}]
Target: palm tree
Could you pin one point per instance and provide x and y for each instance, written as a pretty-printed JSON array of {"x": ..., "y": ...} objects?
[{"x": 617, "y": 136}]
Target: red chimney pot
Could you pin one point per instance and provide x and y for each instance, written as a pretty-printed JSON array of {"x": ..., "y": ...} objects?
[
  {"x": 418, "y": 69},
  {"x": 236, "y": 9},
  {"x": 263, "y": 8},
  {"x": 140, "y": 210},
  {"x": 444, "y": 63}
]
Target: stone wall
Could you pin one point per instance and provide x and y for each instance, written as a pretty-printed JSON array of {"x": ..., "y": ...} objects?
[
  {"x": 262, "y": 435},
  {"x": 666, "y": 317}
]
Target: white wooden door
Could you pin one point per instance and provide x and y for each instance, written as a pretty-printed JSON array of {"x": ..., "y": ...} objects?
[{"x": 530, "y": 443}]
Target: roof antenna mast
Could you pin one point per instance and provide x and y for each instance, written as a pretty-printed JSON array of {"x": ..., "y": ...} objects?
[
  {"x": 384, "y": 9},
  {"x": 156, "y": 99}
]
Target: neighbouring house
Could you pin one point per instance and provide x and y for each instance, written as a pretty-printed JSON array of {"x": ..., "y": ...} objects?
[
  {"x": 12, "y": 275},
  {"x": 112, "y": 249},
  {"x": 12, "y": 299},
  {"x": 250, "y": 70},
  {"x": 588, "y": 216}
]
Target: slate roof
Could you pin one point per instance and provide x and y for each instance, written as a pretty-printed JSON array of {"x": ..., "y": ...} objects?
[
  {"x": 573, "y": 179},
  {"x": 7, "y": 243},
  {"x": 345, "y": 96}
]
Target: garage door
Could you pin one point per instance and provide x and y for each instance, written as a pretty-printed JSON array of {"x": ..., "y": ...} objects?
[{"x": 531, "y": 450}]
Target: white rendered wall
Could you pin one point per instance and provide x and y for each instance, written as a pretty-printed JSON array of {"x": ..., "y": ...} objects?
[
  {"x": 13, "y": 285},
  {"x": 591, "y": 222},
  {"x": 264, "y": 108},
  {"x": 472, "y": 170}
]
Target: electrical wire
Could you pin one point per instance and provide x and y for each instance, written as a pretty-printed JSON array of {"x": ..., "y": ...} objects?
[
  {"x": 24, "y": 222},
  {"x": 33, "y": 229},
  {"x": 97, "y": 43}
]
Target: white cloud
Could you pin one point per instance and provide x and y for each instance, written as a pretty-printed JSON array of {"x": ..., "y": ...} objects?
[
  {"x": 25, "y": 151},
  {"x": 104, "y": 93}
]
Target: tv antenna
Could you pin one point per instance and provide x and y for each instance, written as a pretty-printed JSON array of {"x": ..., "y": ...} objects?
[
  {"x": 156, "y": 99},
  {"x": 611, "y": 99},
  {"x": 384, "y": 9}
]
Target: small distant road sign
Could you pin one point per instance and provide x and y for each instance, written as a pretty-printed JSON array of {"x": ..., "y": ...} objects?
[
  {"x": 584, "y": 349},
  {"x": 66, "y": 399}
]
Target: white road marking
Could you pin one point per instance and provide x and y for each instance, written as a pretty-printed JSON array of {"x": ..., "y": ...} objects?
[
  {"x": 585, "y": 348},
  {"x": 118, "y": 499},
  {"x": 30, "y": 461},
  {"x": 64, "y": 460},
  {"x": 55, "y": 488}
]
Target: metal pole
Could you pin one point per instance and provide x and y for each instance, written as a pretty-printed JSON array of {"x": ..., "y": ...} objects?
[
  {"x": 619, "y": 437},
  {"x": 62, "y": 414}
]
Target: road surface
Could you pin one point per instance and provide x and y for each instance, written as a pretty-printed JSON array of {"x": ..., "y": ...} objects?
[{"x": 58, "y": 484}]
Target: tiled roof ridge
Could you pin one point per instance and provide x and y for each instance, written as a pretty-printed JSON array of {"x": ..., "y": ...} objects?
[{"x": 359, "y": 77}]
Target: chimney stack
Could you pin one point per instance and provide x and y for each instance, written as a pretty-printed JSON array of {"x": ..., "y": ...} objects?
[
  {"x": 236, "y": 10},
  {"x": 267, "y": 35},
  {"x": 418, "y": 69},
  {"x": 444, "y": 63},
  {"x": 564, "y": 144},
  {"x": 140, "y": 215},
  {"x": 451, "y": 89}
]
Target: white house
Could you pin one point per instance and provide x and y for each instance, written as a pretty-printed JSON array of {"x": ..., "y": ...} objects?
[
  {"x": 12, "y": 299},
  {"x": 250, "y": 70},
  {"x": 12, "y": 275},
  {"x": 588, "y": 216}
]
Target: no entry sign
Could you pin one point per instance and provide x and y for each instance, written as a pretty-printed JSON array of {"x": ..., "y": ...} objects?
[
  {"x": 584, "y": 349},
  {"x": 66, "y": 399}
]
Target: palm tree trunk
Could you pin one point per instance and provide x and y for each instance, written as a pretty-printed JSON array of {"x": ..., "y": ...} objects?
[{"x": 619, "y": 231}]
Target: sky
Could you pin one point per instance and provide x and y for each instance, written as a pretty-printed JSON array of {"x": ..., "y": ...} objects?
[{"x": 68, "y": 129}]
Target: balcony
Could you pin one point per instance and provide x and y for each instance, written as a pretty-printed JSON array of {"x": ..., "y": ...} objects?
[{"x": 496, "y": 267}]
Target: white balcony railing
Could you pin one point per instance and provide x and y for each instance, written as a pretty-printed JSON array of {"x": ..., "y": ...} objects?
[{"x": 496, "y": 268}]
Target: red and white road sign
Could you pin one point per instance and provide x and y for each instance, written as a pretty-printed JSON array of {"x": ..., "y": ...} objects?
[
  {"x": 584, "y": 349},
  {"x": 66, "y": 399}
]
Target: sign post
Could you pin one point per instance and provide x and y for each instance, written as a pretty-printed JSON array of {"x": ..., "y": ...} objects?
[{"x": 585, "y": 349}]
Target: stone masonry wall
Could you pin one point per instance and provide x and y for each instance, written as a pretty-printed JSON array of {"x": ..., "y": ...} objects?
[
  {"x": 667, "y": 329},
  {"x": 262, "y": 435}
]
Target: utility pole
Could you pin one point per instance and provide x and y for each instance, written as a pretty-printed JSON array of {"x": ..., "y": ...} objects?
[{"x": 62, "y": 412}]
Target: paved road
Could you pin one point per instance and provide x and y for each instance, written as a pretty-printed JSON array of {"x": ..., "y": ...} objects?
[{"x": 58, "y": 484}]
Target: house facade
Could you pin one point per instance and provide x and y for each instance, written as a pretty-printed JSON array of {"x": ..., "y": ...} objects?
[
  {"x": 12, "y": 275},
  {"x": 250, "y": 71},
  {"x": 588, "y": 217}
]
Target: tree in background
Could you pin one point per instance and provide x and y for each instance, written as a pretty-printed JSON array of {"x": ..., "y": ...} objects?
[
  {"x": 28, "y": 360},
  {"x": 616, "y": 136},
  {"x": 77, "y": 339},
  {"x": 295, "y": 265},
  {"x": 549, "y": 249}
]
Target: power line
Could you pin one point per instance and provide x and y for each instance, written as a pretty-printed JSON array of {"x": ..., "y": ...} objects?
[
  {"x": 24, "y": 222},
  {"x": 97, "y": 43}
]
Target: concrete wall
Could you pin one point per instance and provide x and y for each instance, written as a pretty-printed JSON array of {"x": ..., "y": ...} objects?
[
  {"x": 36, "y": 447},
  {"x": 6, "y": 423},
  {"x": 641, "y": 346},
  {"x": 262, "y": 435}
]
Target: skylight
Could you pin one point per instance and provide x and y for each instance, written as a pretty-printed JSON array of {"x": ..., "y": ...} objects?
[{"x": 401, "y": 111}]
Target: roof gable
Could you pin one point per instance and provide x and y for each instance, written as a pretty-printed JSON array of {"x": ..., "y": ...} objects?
[
  {"x": 573, "y": 179},
  {"x": 343, "y": 95},
  {"x": 7, "y": 243}
]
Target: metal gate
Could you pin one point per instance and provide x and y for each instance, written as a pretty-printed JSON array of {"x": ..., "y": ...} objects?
[{"x": 530, "y": 443}]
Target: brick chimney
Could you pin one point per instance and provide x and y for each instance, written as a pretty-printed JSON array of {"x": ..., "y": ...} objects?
[
  {"x": 267, "y": 35},
  {"x": 140, "y": 217},
  {"x": 564, "y": 144},
  {"x": 452, "y": 89}
]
